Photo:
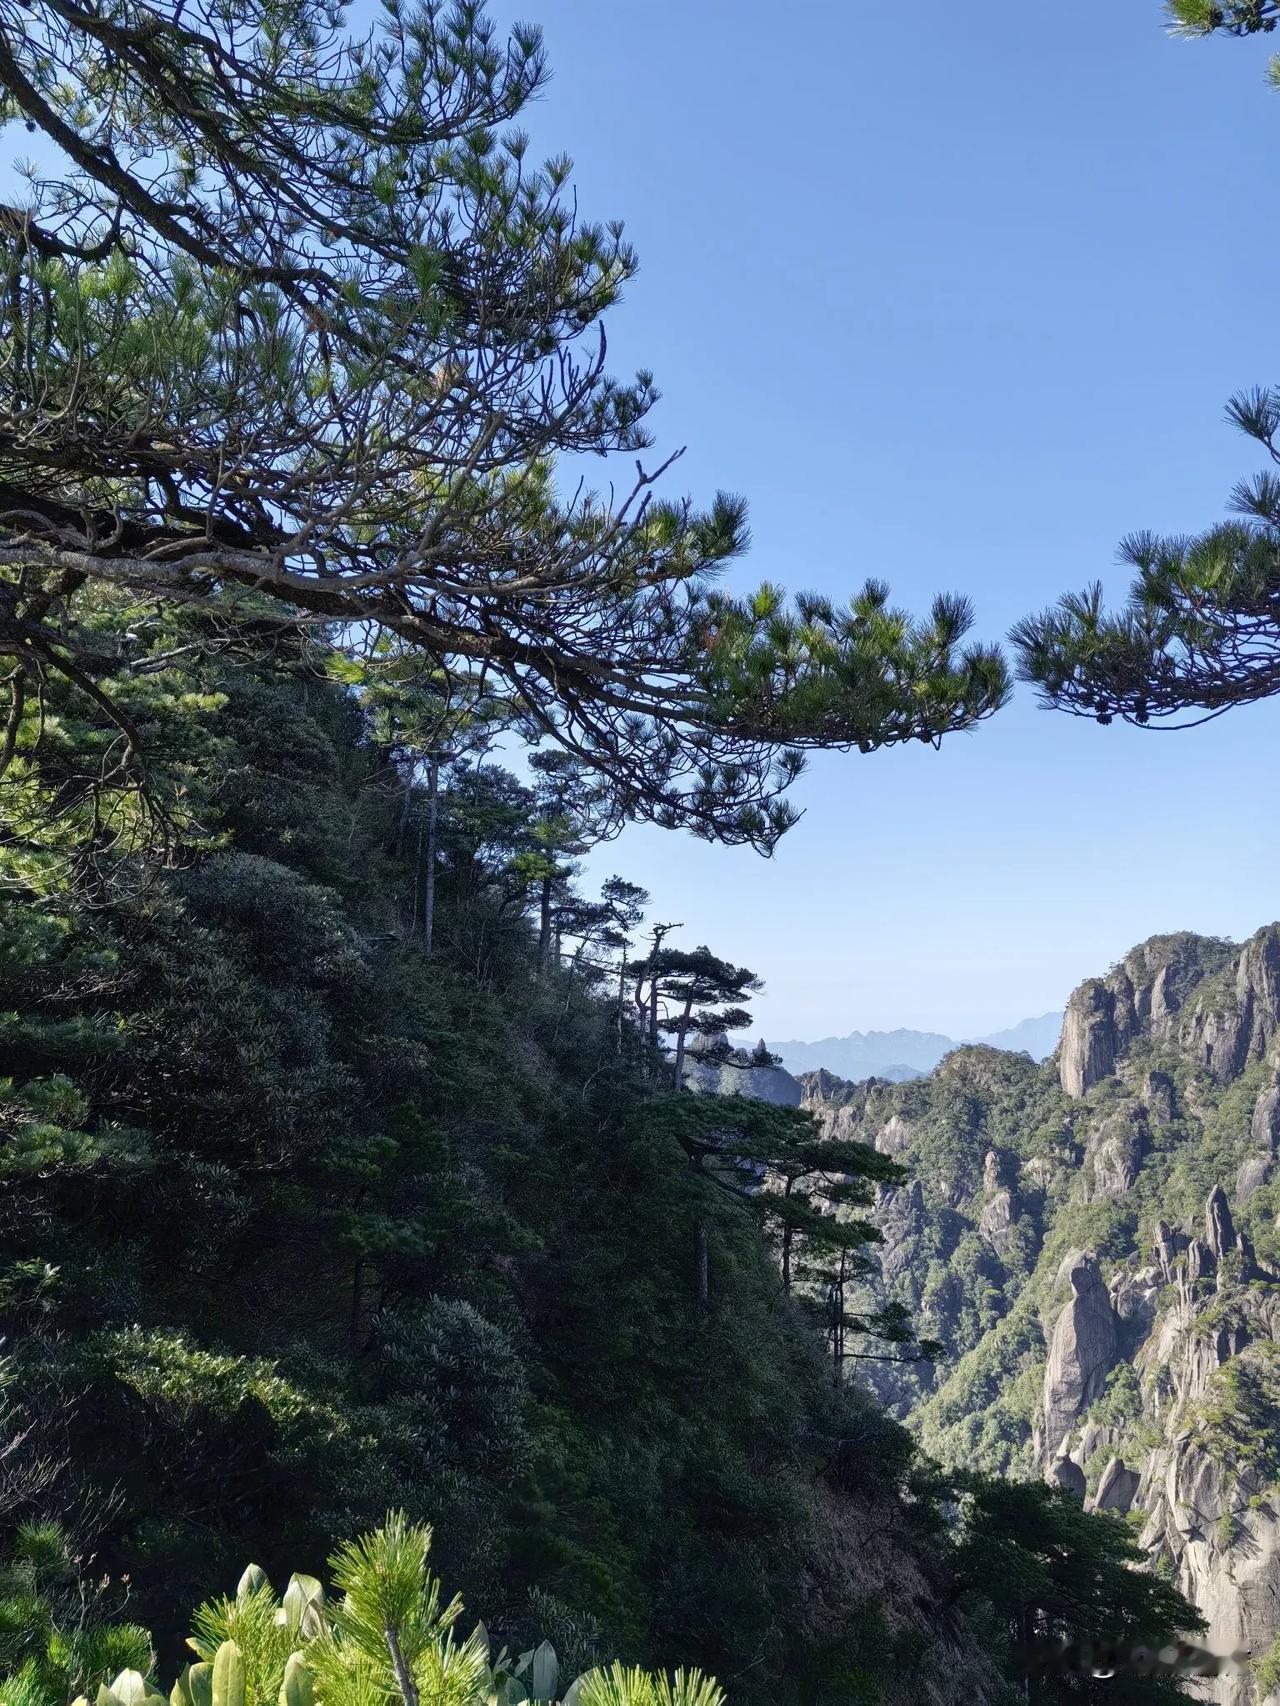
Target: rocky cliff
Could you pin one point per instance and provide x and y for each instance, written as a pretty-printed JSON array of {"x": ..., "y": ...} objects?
[
  {"x": 1096, "y": 1241},
  {"x": 729, "y": 1078}
]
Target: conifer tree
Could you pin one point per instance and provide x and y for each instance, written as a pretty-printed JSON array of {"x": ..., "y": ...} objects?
[
  {"x": 703, "y": 990},
  {"x": 575, "y": 810},
  {"x": 1199, "y": 632},
  {"x": 770, "y": 1162},
  {"x": 293, "y": 328},
  {"x": 1053, "y": 1572},
  {"x": 1227, "y": 17},
  {"x": 623, "y": 904},
  {"x": 647, "y": 974}
]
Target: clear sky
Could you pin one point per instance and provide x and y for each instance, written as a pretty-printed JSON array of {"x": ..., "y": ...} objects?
[{"x": 955, "y": 296}]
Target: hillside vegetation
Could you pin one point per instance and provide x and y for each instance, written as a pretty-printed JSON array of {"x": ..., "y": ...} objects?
[
  {"x": 1095, "y": 1243},
  {"x": 302, "y": 1225}
]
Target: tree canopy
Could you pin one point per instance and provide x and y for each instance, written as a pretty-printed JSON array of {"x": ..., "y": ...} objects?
[
  {"x": 1054, "y": 1573},
  {"x": 293, "y": 328},
  {"x": 1200, "y": 630}
]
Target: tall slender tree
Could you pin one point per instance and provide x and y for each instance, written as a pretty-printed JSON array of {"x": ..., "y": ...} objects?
[
  {"x": 624, "y": 906},
  {"x": 575, "y": 810},
  {"x": 647, "y": 974},
  {"x": 702, "y": 991},
  {"x": 743, "y": 1150}
]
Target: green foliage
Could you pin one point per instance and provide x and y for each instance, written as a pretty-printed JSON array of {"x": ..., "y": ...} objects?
[
  {"x": 620, "y": 1686},
  {"x": 1235, "y": 1420},
  {"x": 1267, "y": 1669},
  {"x": 1228, "y": 17},
  {"x": 329, "y": 1226},
  {"x": 386, "y": 317},
  {"x": 1197, "y": 634},
  {"x": 60, "y": 1635},
  {"x": 1048, "y": 1569},
  {"x": 1120, "y": 1406},
  {"x": 387, "y": 1637}
]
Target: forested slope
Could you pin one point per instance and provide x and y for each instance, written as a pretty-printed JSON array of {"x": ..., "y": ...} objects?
[{"x": 299, "y": 1225}]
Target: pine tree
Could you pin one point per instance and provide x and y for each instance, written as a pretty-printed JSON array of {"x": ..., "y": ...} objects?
[
  {"x": 1056, "y": 1574},
  {"x": 624, "y": 906},
  {"x": 575, "y": 810},
  {"x": 770, "y": 1162},
  {"x": 703, "y": 990},
  {"x": 294, "y": 328},
  {"x": 1200, "y": 630},
  {"x": 1231, "y": 17}
]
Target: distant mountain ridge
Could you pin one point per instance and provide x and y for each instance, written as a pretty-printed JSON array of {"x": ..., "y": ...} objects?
[{"x": 902, "y": 1054}]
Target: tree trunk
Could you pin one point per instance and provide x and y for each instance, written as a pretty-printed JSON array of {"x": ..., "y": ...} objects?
[
  {"x": 622, "y": 995},
  {"x": 701, "y": 1263},
  {"x": 701, "y": 1251},
  {"x": 837, "y": 1324},
  {"x": 417, "y": 880},
  {"x": 680, "y": 1036},
  {"x": 433, "y": 803},
  {"x": 787, "y": 1234},
  {"x": 403, "y": 825},
  {"x": 357, "y": 1305},
  {"x": 544, "y": 928}
]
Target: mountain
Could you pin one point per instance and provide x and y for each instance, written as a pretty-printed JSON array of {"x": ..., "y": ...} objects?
[
  {"x": 1096, "y": 1243},
  {"x": 1037, "y": 1037},
  {"x": 902, "y": 1054}
]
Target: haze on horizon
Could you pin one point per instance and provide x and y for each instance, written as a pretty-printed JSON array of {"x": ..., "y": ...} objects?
[{"x": 966, "y": 326}]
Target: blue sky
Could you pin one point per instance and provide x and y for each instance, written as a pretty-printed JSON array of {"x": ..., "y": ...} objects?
[{"x": 956, "y": 299}]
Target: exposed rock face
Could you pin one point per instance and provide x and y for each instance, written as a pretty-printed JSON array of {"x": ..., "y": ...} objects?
[
  {"x": 1114, "y": 1154},
  {"x": 1253, "y": 1172},
  {"x": 1088, "y": 1049},
  {"x": 1167, "y": 1245},
  {"x": 900, "y": 1215},
  {"x": 1218, "y": 1528},
  {"x": 1069, "y": 1475},
  {"x": 765, "y": 1083},
  {"x": 1138, "y": 1343},
  {"x": 1082, "y": 1353},
  {"x": 1117, "y": 1488},
  {"x": 999, "y": 1211},
  {"x": 1134, "y": 1296},
  {"x": 1230, "y": 1023},
  {"x": 1157, "y": 1097},
  {"x": 1220, "y": 1232},
  {"x": 826, "y": 1098},
  {"x": 1264, "y": 1128},
  {"x": 1143, "y": 996},
  {"x": 894, "y": 1136}
]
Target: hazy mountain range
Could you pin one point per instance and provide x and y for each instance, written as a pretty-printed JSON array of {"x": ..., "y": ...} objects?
[{"x": 904, "y": 1054}]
